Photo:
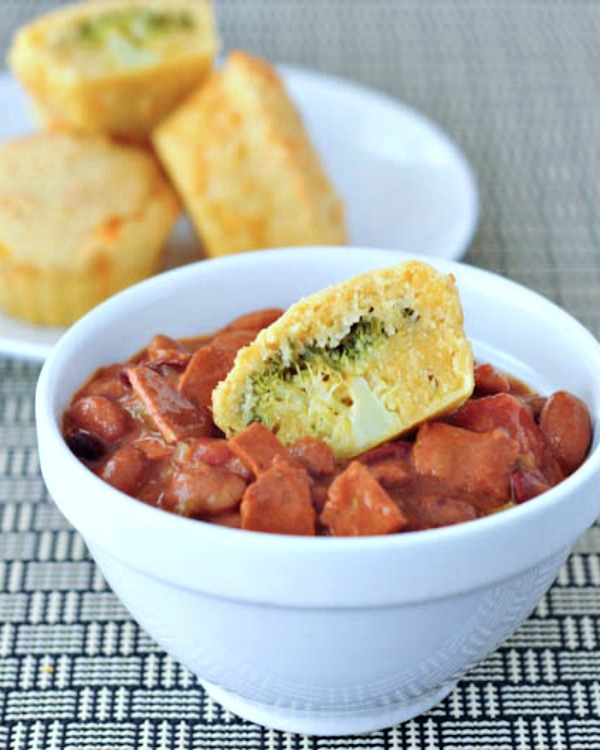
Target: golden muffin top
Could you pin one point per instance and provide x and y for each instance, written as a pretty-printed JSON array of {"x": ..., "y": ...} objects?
[{"x": 65, "y": 199}]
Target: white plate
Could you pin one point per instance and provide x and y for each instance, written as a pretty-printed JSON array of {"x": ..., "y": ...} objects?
[{"x": 404, "y": 183}]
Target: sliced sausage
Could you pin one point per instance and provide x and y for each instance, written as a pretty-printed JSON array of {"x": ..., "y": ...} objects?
[
  {"x": 211, "y": 364},
  {"x": 357, "y": 505},
  {"x": 259, "y": 448},
  {"x": 464, "y": 460},
  {"x": 279, "y": 502},
  {"x": 173, "y": 415},
  {"x": 510, "y": 414},
  {"x": 315, "y": 455}
]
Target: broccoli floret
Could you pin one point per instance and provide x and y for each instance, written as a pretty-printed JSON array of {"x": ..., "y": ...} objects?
[
  {"x": 134, "y": 24},
  {"x": 311, "y": 368}
]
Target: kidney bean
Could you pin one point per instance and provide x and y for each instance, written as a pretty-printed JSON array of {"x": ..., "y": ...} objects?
[
  {"x": 565, "y": 421},
  {"x": 489, "y": 381},
  {"x": 101, "y": 417},
  {"x": 84, "y": 445},
  {"x": 126, "y": 469},
  {"x": 527, "y": 484}
]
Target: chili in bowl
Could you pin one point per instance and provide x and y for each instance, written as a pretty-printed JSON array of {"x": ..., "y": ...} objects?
[
  {"x": 323, "y": 634},
  {"x": 145, "y": 426}
]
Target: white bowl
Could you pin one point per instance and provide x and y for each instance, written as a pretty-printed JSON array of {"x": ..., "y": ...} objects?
[{"x": 321, "y": 635}]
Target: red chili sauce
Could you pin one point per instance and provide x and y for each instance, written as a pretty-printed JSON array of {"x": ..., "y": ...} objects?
[{"x": 146, "y": 428}]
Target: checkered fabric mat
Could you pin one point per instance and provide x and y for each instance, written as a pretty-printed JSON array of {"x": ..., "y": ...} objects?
[{"x": 516, "y": 84}]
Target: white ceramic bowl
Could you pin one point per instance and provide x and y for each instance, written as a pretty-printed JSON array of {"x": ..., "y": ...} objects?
[{"x": 320, "y": 635}]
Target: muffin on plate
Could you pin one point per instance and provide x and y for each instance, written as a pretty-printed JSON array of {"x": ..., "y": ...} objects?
[
  {"x": 80, "y": 218},
  {"x": 243, "y": 163},
  {"x": 355, "y": 364},
  {"x": 115, "y": 66}
]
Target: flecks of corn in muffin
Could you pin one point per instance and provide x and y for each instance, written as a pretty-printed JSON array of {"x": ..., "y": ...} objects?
[
  {"x": 116, "y": 66},
  {"x": 355, "y": 364}
]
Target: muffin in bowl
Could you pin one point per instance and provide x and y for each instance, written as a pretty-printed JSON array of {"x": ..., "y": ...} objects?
[{"x": 322, "y": 635}]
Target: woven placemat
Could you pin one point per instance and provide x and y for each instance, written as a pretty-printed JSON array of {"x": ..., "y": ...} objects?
[{"x": 516, "y": 85}]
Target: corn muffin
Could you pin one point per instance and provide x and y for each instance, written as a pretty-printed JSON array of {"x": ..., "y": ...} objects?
[
  {"x": 115, "y": 66},
  {"x": 244, "y": 166},
  {"x": 80, "y": 218},
  {"x": 356, "y": 364}
]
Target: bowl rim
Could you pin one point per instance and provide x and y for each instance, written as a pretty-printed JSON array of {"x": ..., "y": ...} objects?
[{"x": 415, "y": 541}]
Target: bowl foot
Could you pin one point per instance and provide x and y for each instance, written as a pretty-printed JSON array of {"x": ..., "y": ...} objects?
[{"x": 325, "y": 723}]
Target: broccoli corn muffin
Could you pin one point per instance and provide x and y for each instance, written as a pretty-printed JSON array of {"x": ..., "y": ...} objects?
[
  {"x": 80, "y": 218},
  {"x": 115, "y": 66},
  {"x": 243, "y": 163},
  {"x": 355, "y": 364}
]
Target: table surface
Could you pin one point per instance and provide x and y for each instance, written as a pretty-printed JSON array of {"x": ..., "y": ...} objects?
[{"x": 516, "y": 84}]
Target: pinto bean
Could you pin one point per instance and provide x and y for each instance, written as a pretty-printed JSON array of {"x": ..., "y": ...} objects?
[
  {"x": 126, "y": 469},
  {"x": 204, "y": 491},
  {"x": 565, "y": 421},
  {"x": 101, "y": 417}
]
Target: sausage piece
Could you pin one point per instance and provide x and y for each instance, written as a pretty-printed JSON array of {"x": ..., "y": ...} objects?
[
  {"x": 357, "y": 505},
  {"x": 173, "y": 415},
  {"x": 259, "y": 448},
  {"x": 511, "y": 415},
  {"x": 211, "y": 364},
  {"x": 565, "y": 421},
  {"x": 464, "y": 460},
  {"x": 279, "y": 502},
  {"x": 315, "y": 455}
]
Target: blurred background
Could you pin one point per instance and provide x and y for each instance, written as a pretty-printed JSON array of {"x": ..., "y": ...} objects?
[{"x": 514, "y": 83}]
